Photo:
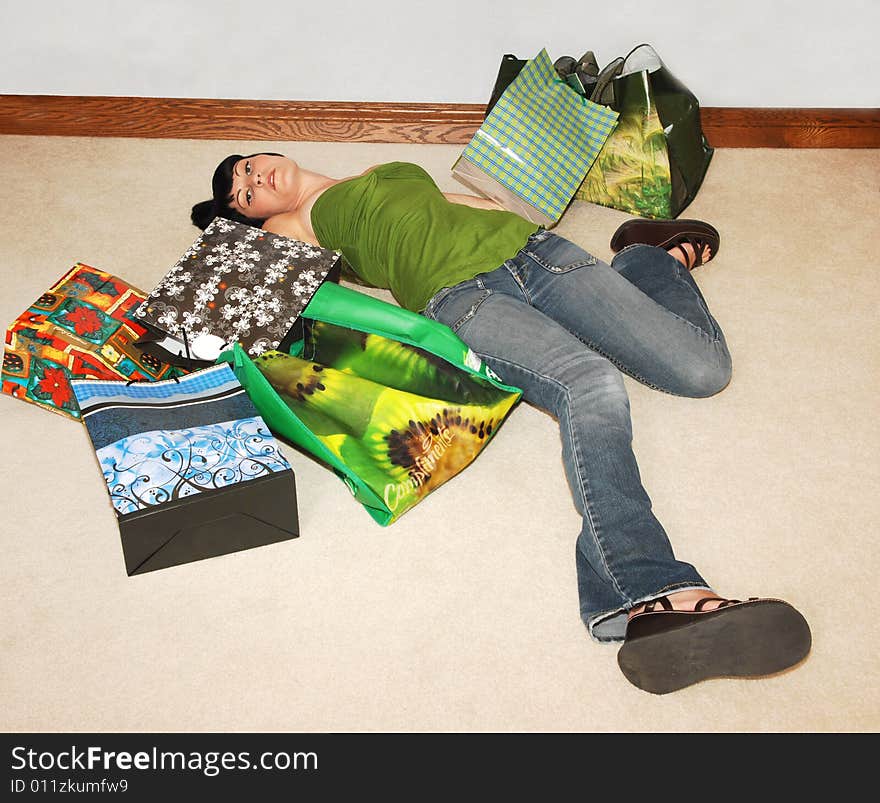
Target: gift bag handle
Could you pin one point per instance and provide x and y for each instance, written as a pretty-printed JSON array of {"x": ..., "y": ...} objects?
[
  {"x": 603, "y": 82},
  {"x": 645, "y": 58},
  {"x": 641, "y": 57}
]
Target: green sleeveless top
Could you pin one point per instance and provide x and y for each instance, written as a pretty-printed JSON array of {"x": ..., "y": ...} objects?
[{"x": 397, "y": 231}]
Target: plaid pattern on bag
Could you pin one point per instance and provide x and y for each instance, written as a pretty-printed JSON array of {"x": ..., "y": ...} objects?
[{"x": 541, "y": 138}]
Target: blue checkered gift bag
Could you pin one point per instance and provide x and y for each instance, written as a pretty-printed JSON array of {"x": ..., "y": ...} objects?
[{"x": 536, "y": 145}]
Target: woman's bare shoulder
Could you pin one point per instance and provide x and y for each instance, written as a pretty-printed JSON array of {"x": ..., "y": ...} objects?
[{"x": 289, "y": 224}]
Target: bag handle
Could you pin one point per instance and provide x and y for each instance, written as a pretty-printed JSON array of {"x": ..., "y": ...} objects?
[
  {"x": 603, "y": 92},
  {"x": 642, "y": 57},
  {"x": 342, "y": 306}
]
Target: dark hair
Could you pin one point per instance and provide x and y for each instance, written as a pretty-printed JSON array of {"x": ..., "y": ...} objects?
[{"x": 221, "y": 186}]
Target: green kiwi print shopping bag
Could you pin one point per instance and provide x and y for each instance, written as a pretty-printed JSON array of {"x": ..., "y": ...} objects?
[{"x": 393, "y": 402}]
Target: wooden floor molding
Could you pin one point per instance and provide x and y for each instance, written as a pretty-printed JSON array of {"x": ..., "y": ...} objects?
[{"x": 185, "y": 118}]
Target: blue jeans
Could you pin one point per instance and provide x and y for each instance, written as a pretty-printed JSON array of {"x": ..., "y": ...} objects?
[{"x": 562, "y": 325}]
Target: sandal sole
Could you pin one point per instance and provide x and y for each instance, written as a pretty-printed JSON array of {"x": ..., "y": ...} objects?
[
  {"x": 661, "y": 233},
  {"x": 749, "y": 640}
]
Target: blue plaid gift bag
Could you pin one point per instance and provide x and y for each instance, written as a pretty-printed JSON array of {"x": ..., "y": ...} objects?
[{"x": 536, "y": 145}]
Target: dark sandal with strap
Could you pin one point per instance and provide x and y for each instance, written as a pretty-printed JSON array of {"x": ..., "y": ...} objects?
[
  {"x": 691, "y": 259},
  {"x": 670, "y": 234},
  {"x": 668, "y": 650},
  {"x": 664, "y": 603}
]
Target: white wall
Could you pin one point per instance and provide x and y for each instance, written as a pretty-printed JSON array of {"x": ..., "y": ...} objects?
[{"x": 730, "y": 53}]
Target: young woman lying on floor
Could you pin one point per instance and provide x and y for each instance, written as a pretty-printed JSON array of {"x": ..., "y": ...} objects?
[{"x": 551, "y": 319}]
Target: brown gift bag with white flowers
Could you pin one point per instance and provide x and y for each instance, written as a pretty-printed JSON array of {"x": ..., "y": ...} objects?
[{"x": 234, "y": 284}]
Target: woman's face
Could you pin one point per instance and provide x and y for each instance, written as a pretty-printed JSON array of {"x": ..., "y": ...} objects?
[{"x": 263, "y": 186}]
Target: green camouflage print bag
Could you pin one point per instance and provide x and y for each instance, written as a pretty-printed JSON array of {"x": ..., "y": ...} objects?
[{"x": 655, "y": 160}]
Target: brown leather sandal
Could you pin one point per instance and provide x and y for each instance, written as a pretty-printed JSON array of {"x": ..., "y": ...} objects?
[
  {"x": 669, "y": 234},
  {"x": 669, "y": 649}
]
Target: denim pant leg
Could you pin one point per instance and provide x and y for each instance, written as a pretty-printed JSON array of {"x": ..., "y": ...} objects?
[
  {"x": 623, "y": 556},
  {"x": 645, "y": 312}
]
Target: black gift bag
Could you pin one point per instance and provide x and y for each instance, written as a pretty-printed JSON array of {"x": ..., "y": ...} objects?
[
  {"x": 191, "y": 467},
  {"x": 508, "y": 70}
]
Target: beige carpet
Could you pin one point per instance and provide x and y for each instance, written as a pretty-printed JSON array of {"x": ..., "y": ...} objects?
[{"x": 463, "y": 615}]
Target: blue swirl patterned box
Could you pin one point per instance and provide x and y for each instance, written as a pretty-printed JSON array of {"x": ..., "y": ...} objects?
[{"x": 191, "y": 467}]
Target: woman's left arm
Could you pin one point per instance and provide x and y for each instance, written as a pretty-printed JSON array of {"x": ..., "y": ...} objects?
[{"x": 471, "y": 200}]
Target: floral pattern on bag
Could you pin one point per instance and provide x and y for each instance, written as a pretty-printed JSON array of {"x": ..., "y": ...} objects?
[{"x": 239, "y": 283}]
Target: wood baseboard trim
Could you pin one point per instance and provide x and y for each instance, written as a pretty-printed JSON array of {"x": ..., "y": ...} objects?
[{"x": 427, "y": 123}]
